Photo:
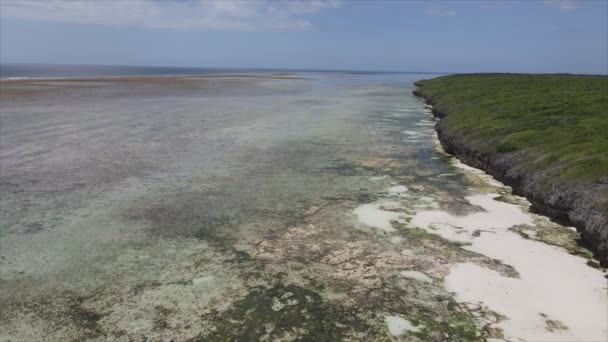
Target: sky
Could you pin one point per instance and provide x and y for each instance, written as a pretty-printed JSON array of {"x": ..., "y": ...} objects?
[{"x": 569, "y": 36}]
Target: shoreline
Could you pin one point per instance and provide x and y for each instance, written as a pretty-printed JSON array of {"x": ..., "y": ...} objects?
[
  {"x": 565, "y": 204},
  {"x": 215, "y": 209}
]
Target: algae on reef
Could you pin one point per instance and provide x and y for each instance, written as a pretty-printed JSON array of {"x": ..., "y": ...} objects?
[{"x": 280, "y": 311}]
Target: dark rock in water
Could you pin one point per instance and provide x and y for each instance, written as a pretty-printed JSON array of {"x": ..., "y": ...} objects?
[{"x": 575, "y": 204}]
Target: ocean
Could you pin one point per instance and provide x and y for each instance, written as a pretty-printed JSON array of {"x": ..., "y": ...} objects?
[{"x": 19, "y": 71}]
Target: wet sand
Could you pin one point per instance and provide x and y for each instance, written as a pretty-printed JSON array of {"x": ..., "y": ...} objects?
[{"x": 258, "y": 207}]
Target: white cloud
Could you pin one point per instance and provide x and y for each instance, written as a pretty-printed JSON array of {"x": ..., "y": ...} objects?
[
  {"x": 563, "y": 5},
  {"x": 244, "y": 15},
  {"x": 438, "y": 11}
]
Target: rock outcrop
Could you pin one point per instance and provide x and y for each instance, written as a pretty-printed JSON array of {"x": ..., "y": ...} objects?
[{"x": 574, "y": 204}]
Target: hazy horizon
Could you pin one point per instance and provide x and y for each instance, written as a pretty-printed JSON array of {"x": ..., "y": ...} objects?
[
  {"x": 411, "y": 36},
  {"x": 230, "y": 69},
  {"x": 245, "y": 67}
]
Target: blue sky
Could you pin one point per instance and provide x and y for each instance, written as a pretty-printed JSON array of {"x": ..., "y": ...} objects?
[{"x": 450, "y": 36}]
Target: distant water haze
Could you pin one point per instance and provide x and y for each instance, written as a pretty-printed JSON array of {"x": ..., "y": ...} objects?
[{"x": 16, "y": 71}]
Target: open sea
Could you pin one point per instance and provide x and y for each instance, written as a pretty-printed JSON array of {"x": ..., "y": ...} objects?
[{"x": 21, "y": 71}]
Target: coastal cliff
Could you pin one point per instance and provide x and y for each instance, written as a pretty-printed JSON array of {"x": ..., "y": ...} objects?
[{"x": 544, "y": 135}]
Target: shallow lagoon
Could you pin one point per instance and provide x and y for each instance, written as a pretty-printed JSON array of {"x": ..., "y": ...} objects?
[{"x": 274, "y": 207}]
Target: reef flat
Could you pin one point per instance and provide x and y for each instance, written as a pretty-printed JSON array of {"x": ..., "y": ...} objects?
[{"x": 305, "y": 207}]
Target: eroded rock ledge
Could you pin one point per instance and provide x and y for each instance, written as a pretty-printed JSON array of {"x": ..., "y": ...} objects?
[{"x": 573, "y": 204}]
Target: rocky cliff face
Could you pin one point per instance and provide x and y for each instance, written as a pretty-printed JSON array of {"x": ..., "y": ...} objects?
[{"x": 575, "y": 204}]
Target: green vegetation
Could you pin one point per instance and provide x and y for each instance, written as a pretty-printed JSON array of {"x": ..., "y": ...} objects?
[{"x": 556, "y": 124}]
